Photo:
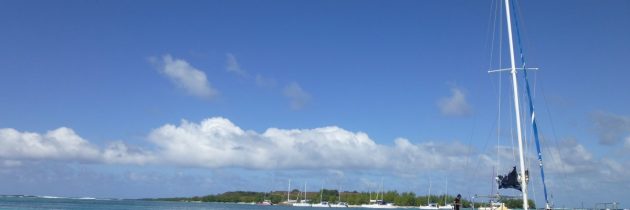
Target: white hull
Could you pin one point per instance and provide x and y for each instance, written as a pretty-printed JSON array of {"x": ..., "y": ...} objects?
[
  {"x": 378, "y": 206},
  {"x": 302, "y": 204},
  {"x": 339, "y": 205},
  {"x": 321, "y": 205}
]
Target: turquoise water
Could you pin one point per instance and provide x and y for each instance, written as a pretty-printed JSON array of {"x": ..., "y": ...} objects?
[
  {"x": 20, "y": 203},
  {"x": 32, "y": 203}
]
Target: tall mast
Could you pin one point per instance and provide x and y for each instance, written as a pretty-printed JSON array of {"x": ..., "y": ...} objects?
[
  {"x": 289, "y": 192},
  {"x": 516, "y": 105},
  {"x": 445, "y": 195},
  {"x": 321, "y": 194},
  {"x": 429, "y": 198},
  {"x": 305, "y": 191}
]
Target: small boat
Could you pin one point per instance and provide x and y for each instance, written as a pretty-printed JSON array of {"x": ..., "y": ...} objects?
[
  {"x": 379, "y": 204},
  {"x": 430, "y": 206},
  {"x": 303, "y": 203},
  {"x": 323, "y": 204},
  {"x": 339, "y": 205},
  {"x": 447, "y": 206},
  {"x": 265, "y": 203},
  {"x": 494, "y": 206}
]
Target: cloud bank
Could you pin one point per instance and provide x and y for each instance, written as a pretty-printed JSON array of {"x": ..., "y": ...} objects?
[
  {"x": 185, "y": 76},
  {"x": 219, "y": 143},
  {"x": 62, "y": 144}
]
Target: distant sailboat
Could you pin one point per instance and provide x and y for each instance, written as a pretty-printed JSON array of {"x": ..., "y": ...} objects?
[
  {"x": 339, "y": 204},
  {"x": 321, "y": 203},
  {"x": 379, "y": 204},
  {"x": 429, "y": 206},
  {"x": 289, "y": 201},
  {"x": 304, "y": 202}
]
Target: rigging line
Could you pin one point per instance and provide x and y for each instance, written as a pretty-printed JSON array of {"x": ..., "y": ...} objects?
[
  {"x": 555, "y": 137},
  {"x": 531, "y": 110},
  {"x": 495, "y": 13},
  {"x": 494, "y": 26}
]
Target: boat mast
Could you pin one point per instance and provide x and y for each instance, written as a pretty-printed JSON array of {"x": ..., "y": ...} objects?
[
  {"x": 289, "y": 192},
  {"x": 305, "y": 192},
  {"x": 321, "y": 194},
  {"x": 429, "y": 198},
  {"x": 516, "y": 105},
  {"x": 446, "y": 195}
]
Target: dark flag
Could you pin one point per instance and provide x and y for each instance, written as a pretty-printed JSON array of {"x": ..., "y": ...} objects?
[{"x": 509, "y": 181}]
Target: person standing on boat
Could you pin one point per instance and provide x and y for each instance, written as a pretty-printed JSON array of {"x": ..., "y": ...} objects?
[{"x": 458, "y": 202}]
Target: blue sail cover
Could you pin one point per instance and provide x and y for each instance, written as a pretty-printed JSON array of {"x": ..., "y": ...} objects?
[{"x": 531, "y": 107}]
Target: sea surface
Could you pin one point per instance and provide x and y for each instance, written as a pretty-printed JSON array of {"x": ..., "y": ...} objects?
[{"x": 20, "y": 203}]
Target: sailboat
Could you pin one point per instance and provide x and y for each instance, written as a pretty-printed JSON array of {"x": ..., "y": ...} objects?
[
  {"x": 379, "y": 204},
  {"x": 339, "y": 204},
  {"x": 321, "y": 203},
  {"x": 289, "y": 201},
  {"x": 304, "y": 202},
  {"x": 429, "y": 206},
  {"x": 446, "y": 205},
  {"x": 514, "y": 179}
]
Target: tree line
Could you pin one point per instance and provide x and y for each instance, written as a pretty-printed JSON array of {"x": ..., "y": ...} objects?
[{"x": 351, "y": 197}]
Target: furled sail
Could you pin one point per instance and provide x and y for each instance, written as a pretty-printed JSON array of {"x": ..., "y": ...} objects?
[{"x": 509, "y": 181}]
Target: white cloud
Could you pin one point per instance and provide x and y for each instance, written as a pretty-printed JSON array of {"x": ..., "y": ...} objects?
[
  {"x": 187, "y": 77},
  {"x": 298, "y": 98},
  {"x": 63, "y": 144},
  {"x": 59, "y": 144},
  {"x": 118, "y": 152},
  {"x": 231, "y": 65},
  {"x": 218, "y": 143},
  {"x": 454, "y": 105}
]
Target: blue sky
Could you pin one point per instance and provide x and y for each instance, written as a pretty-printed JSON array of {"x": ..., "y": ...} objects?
[{"x": 113, "y": 80}]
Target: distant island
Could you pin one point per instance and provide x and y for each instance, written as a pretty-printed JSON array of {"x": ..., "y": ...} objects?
[{"x": 351, "y": 197}]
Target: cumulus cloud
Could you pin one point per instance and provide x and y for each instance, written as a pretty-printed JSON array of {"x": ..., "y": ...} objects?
[
  {"x": 185, "y": 76},
  {"x": 298, "y": 98},
  {"x": 454, "y": 105},
  {"x": 219, "y": 143},
  {"x": 609, "y": 127},
  {"x": 59, "y": 144},
  {"x": 62, "y": 144},
  {"x": 232, "y": 66}
]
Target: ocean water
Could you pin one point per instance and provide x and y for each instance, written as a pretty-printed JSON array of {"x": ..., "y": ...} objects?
[{"x": 31, "y": 203}]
